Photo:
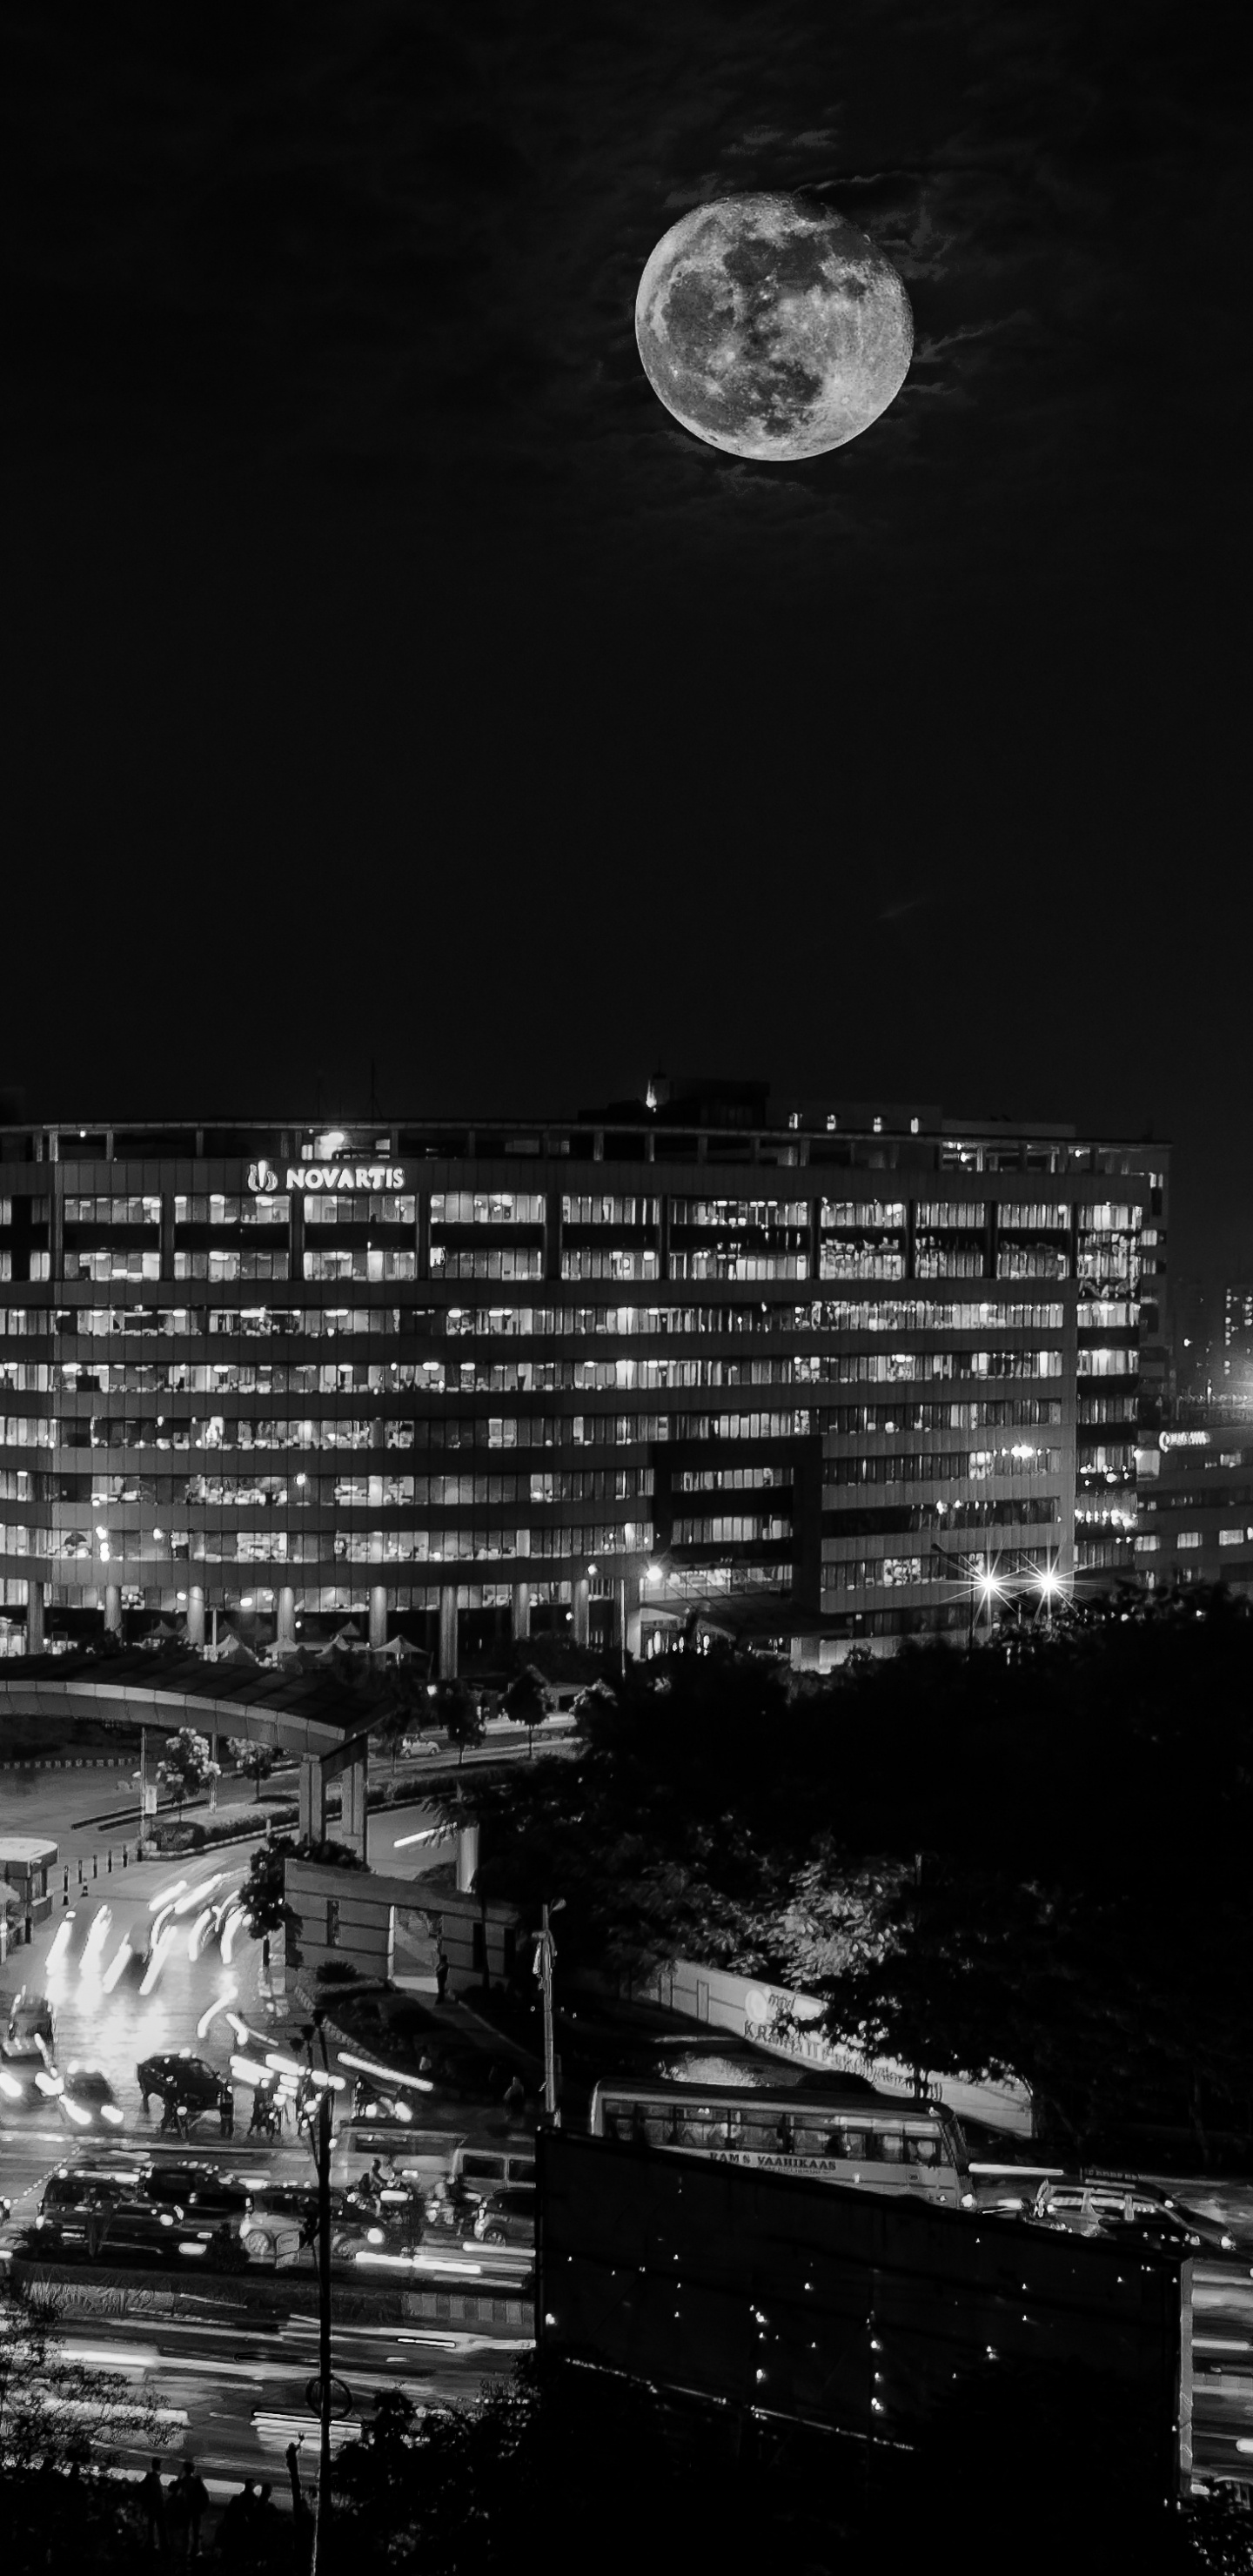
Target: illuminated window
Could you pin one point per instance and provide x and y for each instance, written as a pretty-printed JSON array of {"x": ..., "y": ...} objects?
[
  {"x": 1231, "y": 1538},
  {"x": 1189, "y": 1538}
]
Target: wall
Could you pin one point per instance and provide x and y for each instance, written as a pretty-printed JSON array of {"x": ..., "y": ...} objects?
[
  {"x": 821, "y": 2305},
  {"x": 472, "y": 1929},
  {"x": 758, "y": 2012}
]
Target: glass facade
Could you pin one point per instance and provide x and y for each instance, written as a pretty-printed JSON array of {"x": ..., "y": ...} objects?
[{"x": 939, "y": 1337}]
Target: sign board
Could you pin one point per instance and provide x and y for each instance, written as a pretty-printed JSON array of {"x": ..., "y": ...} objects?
[{"x": 263, "y": 1178}]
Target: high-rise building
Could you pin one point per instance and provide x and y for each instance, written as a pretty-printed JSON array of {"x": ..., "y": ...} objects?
[{"x": 832, "y": 1372}]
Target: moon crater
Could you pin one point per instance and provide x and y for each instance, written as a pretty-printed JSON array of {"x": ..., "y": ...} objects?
[{"x": 771, "y": 328}]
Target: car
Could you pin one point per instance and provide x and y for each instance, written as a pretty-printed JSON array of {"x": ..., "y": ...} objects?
[
  {"x": 1129, "y": 2209},
  {"x": 414, "y": 1745},
  {"x": 84, "y": 2097},
  {"x": 32, "y": 2031},
  {"x": 485, "y": 2169},
  {"x": 506, "y": 2216},
  {"x": 109, "y": 2214},
  {"x": 197, "y": 2187},
  {"x": 196, "y": 2083}
]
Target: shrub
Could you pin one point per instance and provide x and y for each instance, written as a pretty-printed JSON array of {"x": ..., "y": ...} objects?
[{"x": 336, "y": 1972}]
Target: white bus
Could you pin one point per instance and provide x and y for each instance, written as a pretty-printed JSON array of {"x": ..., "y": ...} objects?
[{"x": 916, "y": 2147}]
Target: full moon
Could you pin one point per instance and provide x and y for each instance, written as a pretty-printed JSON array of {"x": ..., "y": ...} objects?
[{"x": 771, "y": 328}]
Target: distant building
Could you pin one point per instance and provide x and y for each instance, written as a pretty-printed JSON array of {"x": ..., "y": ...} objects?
[
  {"x": 1195, "y": 1521},
  {"x": 1235, "y": 1380},
  {"x": 831, "y": 1372}
]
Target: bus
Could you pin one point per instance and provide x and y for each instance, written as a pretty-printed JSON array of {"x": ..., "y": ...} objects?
[{"x": 915, "y": 2147}]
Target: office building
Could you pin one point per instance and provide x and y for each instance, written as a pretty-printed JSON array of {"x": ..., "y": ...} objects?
[{"x": 844, "y": 1371}]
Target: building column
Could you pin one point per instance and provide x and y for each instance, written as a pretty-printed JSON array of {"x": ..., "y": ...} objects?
[
  {"x": 581, "y": 1605},
  {"x": 378, "y": 1617},
  {"x": 312, "y": 1817},
  {"x": 352, "y": 1811},
  {"x": 448, "y": 1633},
  {"x": 113, "y": 1609},
  {"x": 632, "y": 1616},
  {"x": 467, "y": 1858},
  {"x": 521, "y": 1615},
  {"x": 285, "y": 1620},
  {"x": 195, "y": 1615},
  {"x": 34, "y": 1616}
]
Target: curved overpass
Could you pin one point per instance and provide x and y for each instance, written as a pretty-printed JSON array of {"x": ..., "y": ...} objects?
[{"x": 306, "y": 1713}]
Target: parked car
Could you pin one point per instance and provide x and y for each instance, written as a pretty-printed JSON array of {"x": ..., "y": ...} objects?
[
  {"x": 32, "y": 2031},
  {"x": 413, "y": 1745},
  {"x": 197, "y": 2083}
]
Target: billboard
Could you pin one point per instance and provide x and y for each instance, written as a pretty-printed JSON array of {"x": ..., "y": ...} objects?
[{"x": 852, "y": 2312}]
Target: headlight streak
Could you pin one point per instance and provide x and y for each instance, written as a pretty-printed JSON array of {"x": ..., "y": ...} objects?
[
  {"x": 214, "y": 2009},
  {"x": 116, "y": 1965}
]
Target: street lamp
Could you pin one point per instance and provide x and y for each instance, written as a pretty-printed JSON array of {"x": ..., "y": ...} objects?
[{"x": 545, "y": 1953}]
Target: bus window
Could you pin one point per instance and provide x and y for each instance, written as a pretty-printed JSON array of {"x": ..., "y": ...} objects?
[
  {"x": 920, "y": 2150},
  {"x": 862, "y": 2146},
  {"x": 891, "y": 2144},
  {"x": 814, "y": 2139}
]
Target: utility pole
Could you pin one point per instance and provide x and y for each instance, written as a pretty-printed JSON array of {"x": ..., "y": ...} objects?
[
  {"x": 545, "y": 1953},
  {"x": 320, "y": 2143},
  {"x": 322, "y": 2526}
]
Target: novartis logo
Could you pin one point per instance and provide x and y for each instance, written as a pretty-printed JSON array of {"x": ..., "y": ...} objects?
[{"x": 262, "y": 1177}]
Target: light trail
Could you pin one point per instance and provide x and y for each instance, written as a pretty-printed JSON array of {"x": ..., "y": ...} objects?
[
  {"x": 116, "y": 1965},
  {"x": 196, "y": 1895},
  {"x": 97, "y": 1935},
  {"x": 166, "y": 1895},
  {"x": 215, "y": 2008},
  {"x": 161, "y": 1950},
  {"x": 384, "y": 2074},
  {"x": 198, "y": 1931}
]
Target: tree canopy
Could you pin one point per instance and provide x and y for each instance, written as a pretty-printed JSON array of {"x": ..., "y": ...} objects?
[{"x": 1029, "y": 1858}]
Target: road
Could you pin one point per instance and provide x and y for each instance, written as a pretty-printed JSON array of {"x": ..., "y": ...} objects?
[
  {"x": 233, "y": 2396},
  {"x": 233, "y": 2378}
]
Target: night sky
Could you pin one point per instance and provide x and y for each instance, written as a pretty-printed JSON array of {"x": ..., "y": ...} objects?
[{"x": 390, "y": 677}]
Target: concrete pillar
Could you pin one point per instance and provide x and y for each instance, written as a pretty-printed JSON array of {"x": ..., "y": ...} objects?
[
  {"x": 352, "y": 1814},
  {"x": 521, "y": 1620},
  {"x": 448, "y": 1634},
  {"x": 632, "y": 1621},
  {"x": 378, "y": 1617},
  {"x": 285, "y": 1620},
  {"x": 34, "y": 1616},
  {"x": 312, "y": 1817},
  {"x": 113, "y": 1608},
  {"x": 467, "y": 1859},
  {"x": 195, "y": 1615},
  {"x": 581, "y": 1605}
]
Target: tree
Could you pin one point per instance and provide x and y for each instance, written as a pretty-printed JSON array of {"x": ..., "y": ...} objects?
[
  {"x": 459, "y": 1713},
  {"x": 526, "y": 1702},
  {"x": 256, "y": 1761},
  {"x": 187, "y": 1767},
  {"x": 978, "y": 1861},
  {"x": 58, "y": 2420},
  {"x": 263, "y": 1896}
]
